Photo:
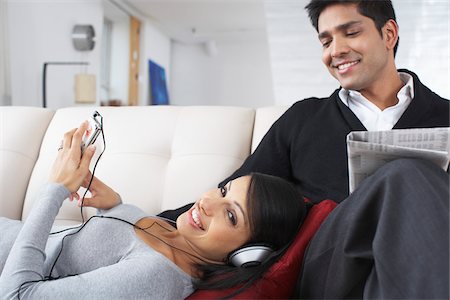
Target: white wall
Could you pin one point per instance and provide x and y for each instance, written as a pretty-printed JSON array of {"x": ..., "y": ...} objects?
[
  {"x": 120, "y": 58},
  {"x": 244, "y": 72},
  {"x": 5, "y": 86},
  {"x": 155, "y": 45},
  {"x": 239, "y": 74},
  {"x": 424, "y": 41},
  {"x": 40, "y": 31},
  {"x": 295, "y": 51}
]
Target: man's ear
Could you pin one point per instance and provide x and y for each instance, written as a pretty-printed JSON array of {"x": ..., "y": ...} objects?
[{"x": 390, "y": 34}]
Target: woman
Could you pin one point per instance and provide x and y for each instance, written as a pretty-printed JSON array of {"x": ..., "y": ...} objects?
[{"x": 122, "y": 253}]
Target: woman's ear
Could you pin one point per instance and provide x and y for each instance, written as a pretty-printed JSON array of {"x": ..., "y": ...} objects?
[{"x": 390, "y": 34}]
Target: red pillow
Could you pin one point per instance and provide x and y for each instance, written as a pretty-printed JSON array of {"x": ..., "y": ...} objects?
[{"x": 279, "y": 282}]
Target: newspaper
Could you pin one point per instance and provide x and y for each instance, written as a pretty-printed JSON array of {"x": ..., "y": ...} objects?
[{"x": 369, "y": 150}]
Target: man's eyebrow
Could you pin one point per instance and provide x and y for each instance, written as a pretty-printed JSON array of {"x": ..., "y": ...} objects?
[{"x": 342, "y": 27}]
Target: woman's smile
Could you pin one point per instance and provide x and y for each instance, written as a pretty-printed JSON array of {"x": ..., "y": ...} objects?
[{"x": 195, "y": 218}]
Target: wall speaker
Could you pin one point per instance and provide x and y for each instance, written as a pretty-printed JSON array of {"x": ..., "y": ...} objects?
[{"x": 83, "y": 37}]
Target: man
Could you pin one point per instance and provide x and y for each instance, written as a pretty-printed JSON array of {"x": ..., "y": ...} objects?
[
  {"x": 307, "y": 145},
  {"x": 349, "y": 257}
]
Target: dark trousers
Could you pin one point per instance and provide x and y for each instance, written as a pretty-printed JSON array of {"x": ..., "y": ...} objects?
[{"x": 387, "y": 240}]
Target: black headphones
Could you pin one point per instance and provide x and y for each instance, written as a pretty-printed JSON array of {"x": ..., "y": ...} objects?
[{"x": 249, "y": 255}]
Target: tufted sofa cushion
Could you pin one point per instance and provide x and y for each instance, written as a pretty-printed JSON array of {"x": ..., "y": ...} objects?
[{"x": 156, "y": 157}]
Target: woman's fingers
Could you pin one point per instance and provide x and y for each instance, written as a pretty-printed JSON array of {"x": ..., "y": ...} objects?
[
  {"x": 78, "y": 135},
  {"x": 70, "y": 168},
  {"x": 72, "y": 138},
  {"x": 73, "y": 196},
  {"x": 86, "y": 159},
  {"x": 67, "y": 139},
  {"x": 87, "y": 180},
  {"x": 85, "y": 202}
]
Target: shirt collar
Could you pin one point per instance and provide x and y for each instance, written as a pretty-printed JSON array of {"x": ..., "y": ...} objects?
[{"x": 404, "y": 94}]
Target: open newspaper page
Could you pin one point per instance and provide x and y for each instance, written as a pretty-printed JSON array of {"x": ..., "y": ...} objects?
[{"x": 369, "y": 150}]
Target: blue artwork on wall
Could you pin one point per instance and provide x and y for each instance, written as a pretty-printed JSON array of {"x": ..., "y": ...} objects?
[{"x": 158, "y": 86}]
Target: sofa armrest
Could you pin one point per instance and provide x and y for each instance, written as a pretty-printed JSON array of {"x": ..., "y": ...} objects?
[{"x": 21, "y": 133}]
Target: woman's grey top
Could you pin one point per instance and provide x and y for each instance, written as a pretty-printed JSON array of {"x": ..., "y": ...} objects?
[{"x": 104, "y": 260}]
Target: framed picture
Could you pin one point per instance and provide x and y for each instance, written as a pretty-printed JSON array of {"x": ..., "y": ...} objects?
[{"x": 158, "y": 87}]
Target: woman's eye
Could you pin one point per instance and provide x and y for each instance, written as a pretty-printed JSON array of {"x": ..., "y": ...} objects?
[
  {"x": 223, "y": 191},
  {"x": 232, "y": 218}
]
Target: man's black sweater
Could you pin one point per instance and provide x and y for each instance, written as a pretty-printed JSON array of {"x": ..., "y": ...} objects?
[{"x": 307, "y": 144}]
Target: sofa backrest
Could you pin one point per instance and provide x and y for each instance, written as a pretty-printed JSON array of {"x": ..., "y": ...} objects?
[
  {"x": 156, "y": 157},
  {"x": 264, "y": 119}
]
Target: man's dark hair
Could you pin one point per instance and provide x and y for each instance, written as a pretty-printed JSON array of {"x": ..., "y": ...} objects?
[{"x": 380, "y": 11}]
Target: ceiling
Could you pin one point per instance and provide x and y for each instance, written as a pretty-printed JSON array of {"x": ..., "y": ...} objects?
[{"x": 192, "y": 21}]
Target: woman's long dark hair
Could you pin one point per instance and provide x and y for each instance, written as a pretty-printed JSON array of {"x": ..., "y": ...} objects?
[{"x": 276, "y": 210}]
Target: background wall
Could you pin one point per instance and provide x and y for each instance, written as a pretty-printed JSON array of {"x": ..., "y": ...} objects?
[
  {"x": 236, "y": 73},
  {"x": 424, "y": 41},
  {"x": 5, "y": 84},
  {"x": 120, "y": 53},
  {"x": 295, "y": 52},
  {"x": 157, "y": 46},
  {"x": 40, "y": 31},
  {"x": 280, "y": 66}
]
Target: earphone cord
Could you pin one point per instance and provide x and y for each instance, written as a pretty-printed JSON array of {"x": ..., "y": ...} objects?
[
  {"x": 144, "y": 229},
  {"x": 83, "y": 224},
  {"x": 90, "y": 181},
  {"x": 82, "y": 201},
  {"x": 93, "y": 170},
  {"x": 49, "y": 277}
]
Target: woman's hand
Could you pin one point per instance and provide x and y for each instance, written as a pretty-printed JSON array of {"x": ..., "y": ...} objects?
[
  {"x": 70, "y": 168},
  {"x": 102, "y": 196}
]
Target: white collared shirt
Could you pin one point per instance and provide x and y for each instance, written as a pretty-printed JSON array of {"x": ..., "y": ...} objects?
[{"x": 373, "y": 118}]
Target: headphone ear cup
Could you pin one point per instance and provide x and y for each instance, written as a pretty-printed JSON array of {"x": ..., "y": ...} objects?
[{"x": 249, "y": 256}]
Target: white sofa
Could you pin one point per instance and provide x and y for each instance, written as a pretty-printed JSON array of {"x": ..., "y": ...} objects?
[{"x": 156, "y": 157}]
